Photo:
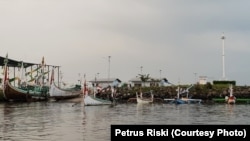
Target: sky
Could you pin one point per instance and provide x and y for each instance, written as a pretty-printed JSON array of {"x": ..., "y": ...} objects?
[{"x": 176, "y": 39}]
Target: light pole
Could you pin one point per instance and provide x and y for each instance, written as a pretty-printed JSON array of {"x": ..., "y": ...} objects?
[
  {"x": 141, "y": 69},
  {"x": 160, "y": 74},
  {"x": 109, "y": 68},
  {"x": 223, "y": 56},
  {"x": 98, "y": 75}
]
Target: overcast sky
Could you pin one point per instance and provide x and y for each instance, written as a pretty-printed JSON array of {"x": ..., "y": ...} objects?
[{"x": 176, "y": 39}]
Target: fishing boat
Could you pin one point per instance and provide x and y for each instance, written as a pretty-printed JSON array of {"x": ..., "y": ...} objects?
[
  {"x": 22, "y": 92},
  {"x": 231, "y": 99},
  {"x": 142, "y": 100},
  {"x": 91, "y": 100},
  {"x": 183, "y": 100},
  {"x": 59, "y": 93},
  {"x": 29, "y": 94},
  {"x": 95, "y": 100}
]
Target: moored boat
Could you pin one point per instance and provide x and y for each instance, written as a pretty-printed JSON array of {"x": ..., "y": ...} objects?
[
  {"x": 142, "y": 100},
  {"x": 34, "y": 93},
  {"x": 22, "y": 92},
  {"x": 59, "y": 93},
  {"x": 231, "y": 99},
  {"x": 94, "y": 100}
]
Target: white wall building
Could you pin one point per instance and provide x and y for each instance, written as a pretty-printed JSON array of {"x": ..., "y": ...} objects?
[{"x": 202, "y": 80}]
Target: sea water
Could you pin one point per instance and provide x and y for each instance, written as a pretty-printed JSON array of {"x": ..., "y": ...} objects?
[{"x": 72, "y": 121}]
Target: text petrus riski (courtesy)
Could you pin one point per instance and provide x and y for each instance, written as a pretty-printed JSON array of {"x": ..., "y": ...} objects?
[
  {"x": 181, "y": 133},
  {"x": 149, "y": 132}
]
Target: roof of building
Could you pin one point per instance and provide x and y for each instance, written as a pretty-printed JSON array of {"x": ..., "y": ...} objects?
[
  {"x": 138, "y": 79},
  {"x": 100, "y": 80}
]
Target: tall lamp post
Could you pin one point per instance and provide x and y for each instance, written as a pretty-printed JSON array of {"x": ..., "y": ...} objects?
[
  {"x": 141, "y": 69},
  {"x": 109, "y": 68},
  {"x": 223, "y": 56},
  {"x": 160, "y": 74}
]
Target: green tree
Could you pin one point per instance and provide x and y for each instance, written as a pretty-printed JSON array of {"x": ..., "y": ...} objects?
[{"x": 144, "y": 78}]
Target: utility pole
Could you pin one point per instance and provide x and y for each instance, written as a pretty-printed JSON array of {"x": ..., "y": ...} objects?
[
  {"x": 223, "y": 57},
  {"x": 160, "y": 74},
  {"x": 109, "y": 68}
]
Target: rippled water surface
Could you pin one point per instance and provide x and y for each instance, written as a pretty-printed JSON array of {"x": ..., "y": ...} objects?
[{"x": 67, "y": 121}]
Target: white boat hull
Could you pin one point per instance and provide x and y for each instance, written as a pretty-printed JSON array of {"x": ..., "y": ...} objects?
[
  {"x": 143, "y": 101},
  {"x": 58, "y": 93},
  {"x": 92, "y": 101}
]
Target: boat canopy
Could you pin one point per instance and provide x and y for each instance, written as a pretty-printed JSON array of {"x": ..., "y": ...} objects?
[{"x": 15, "y": 63}]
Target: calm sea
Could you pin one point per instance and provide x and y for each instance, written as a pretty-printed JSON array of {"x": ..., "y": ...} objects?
[{"x": 69, "y": 121}]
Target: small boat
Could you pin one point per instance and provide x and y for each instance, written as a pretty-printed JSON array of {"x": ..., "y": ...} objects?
[
  {"x": 90, "y": 100},
  {"x": 93, "y": 100},
  {"x": 183, "y": 100},
  {"x": 231, "y": 99},
  {"x": 141, "y": 100},
  {"x": 59, "y": 93}
]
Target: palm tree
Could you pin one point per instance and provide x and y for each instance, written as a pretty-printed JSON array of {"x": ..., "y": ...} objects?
[{"x": 144, "y": 78}]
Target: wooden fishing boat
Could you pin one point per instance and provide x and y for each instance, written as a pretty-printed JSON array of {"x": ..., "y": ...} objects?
[
  {"x": 142, "y": 100},
  {"x": 91, "y": 100},
  {"x": 94, "y": 100},
  {"x": 22, "y": 92},
  {"x": 29, "y": 94},
  {"x": 59, "y": 93}
]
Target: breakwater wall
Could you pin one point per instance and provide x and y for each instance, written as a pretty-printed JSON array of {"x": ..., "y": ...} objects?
[{"x": 204, "y": 92}]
